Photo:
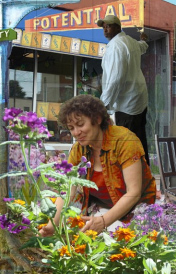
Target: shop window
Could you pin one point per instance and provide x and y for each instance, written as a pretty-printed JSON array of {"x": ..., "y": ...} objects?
[
  {"x": 21, "y": 78},
  {"x": 54, "y": 86},
  {"x": 89, "y": 73}
]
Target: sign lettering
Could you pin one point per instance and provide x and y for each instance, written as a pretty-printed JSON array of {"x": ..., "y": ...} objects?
[{"x": 130, "y": 13}]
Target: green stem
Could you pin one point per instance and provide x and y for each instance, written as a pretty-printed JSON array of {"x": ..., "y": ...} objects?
[
  {"x": 66, "y": 235},
  {"x": 29, "y": 171},
  {"x": 63, "y": 218},
  {"x": 66, "y": 203},
  {"x": 57, "y": 231}
]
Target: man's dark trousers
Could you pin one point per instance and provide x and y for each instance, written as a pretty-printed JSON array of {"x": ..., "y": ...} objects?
[{"x": 135, "y": 123}]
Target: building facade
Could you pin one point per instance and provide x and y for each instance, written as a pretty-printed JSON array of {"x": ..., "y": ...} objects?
[{"x": 58, "y": 50}]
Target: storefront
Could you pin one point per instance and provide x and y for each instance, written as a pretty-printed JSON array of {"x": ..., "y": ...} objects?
[
  {"x": 58, "y": 51},
  {"x": 57, "y": 55}
]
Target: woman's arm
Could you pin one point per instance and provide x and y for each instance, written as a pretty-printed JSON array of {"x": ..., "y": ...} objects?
[
  {"x": 48, "y": 230},
  {"x": 133, "y": 180}
]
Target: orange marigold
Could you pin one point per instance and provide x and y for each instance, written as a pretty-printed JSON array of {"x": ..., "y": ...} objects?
[
  {"x": 20, "y": 202},
  {"x": 41, "y": 226},
  {"x": 116, "y": 257},
  {"x": 165, "y": 239},
  {"x": 91, "y": 233},
  {"x": 124, "y": 233},
  {"x": 128, "y": 252},
  {"x": 76, "y": 221},
  {"x": 153, "y": 235},
  {"x": 80, "y": 249},
  {"x": 75, "y": 239},
  {"x": 64, "y": 251}
]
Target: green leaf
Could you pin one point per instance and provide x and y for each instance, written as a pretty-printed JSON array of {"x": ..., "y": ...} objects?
[
  {"x": 168, "y": 255},
  {"x": 107, "y": 239},
  {"x": 83, "y": 182},
  {"x": 35, "y": 208},
  {"x": 83, "y": 237},
  {"x": 58, "y": 245},
  {"x": 150, "y": 265},
  {"x": 48, "y": 193},
  {"x": 71, "y": 211},
  {"x": 12, "y": 174},
  {"x": 33, "y": 242},
  {"x": 47, "y": 207},
  {"x": 25, "y": 191},
  {"x": 100, "y": 248},
  {"x": 44, "y": 166},
  {"x": 138, "y": 241},
  {"x": 10, "y": 142}
]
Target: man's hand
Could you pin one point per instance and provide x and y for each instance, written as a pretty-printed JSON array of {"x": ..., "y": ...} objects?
[
  {"x": 93, "y": 223},
  {"x": 143, "y": 36}
]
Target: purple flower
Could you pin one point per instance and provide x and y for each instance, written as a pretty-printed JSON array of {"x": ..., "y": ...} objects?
[
  {"x": 8, "y": 199},
  {"x": 3, "y": 221},
  {"x": 64, "y": 167},
  {"x": 11, "y": 227},
  {"x": 11, "y": 113},
  {"x": 83, "y": 159},
  {"x": 88, "y": 164},
  {"x": 82, "y": 171},
  {"x": 63, "y": 192},
  {"x": 62, "y": 156},
  {"x": 26, "y": 221}
]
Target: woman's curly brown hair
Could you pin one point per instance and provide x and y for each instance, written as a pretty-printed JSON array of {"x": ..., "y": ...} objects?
[{"x": 87, "y": 105}]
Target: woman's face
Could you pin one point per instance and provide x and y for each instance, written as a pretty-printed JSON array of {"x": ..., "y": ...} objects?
[{"x": 82, "y": 130}]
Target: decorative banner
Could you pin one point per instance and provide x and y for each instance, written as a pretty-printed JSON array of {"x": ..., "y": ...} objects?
[
  {"x": 131, "y": 14},
  {"x": 46, "y": 41},
  {"x": 42, "y": 109},
  {"x": 101, "y": 49},
  {"x": 65, "y": 44},
  {"x": 93, "y": 49},
  {"x": 7, "y": 35},
  {"x": 60, "y": 43},
  {"x": 56, "y": 42},
  {"x": 75, "y": 45},
  {"x": 53, "y": 111},
  {"x": 36, "y": 40},
  {"x": 26, "y": 39},
  {"x": 85, "y": 47}
]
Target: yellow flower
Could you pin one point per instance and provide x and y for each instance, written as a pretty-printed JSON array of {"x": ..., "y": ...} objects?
[
  {"x": 20, "y": 202},
  {"x": 124, "y": 233},
  {"x": 76, "y": 221},
  {"x": 41, "y": 226},
  {"x": 91, "y": 233},
  {"x": 75, "y": 239},
  {"x": 80, "y": 249},
  {"x": 64, "y": 251},
  {"x": 53, "y": 199},
  {"x": 116, "y": 257},
  {"x": 165, "y": 239},
  {"x": 128, "y": 252},
  {"x": 153, "y": 235}
]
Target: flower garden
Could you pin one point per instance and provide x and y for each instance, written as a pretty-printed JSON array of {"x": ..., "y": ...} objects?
[{"x": 145, "y": 245}]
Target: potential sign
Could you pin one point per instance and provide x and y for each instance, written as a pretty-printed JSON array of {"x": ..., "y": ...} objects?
[
  {"x": 7, "y": 35},
  {"x": 131, "y": 13}
]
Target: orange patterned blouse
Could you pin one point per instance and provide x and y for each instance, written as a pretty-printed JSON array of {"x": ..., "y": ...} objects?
[{"x": 120, "y": 149}]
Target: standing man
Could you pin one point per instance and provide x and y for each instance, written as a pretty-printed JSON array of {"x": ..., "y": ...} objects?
[{"x": 124, "y": 90}]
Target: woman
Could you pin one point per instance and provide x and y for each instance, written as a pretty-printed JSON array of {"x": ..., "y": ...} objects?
[{"x": 118, "y": 165}]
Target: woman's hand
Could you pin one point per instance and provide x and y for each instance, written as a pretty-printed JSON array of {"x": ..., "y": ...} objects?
[
  {"x": 93, "y": 223},
  {"x": 47, "y": 230}
]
